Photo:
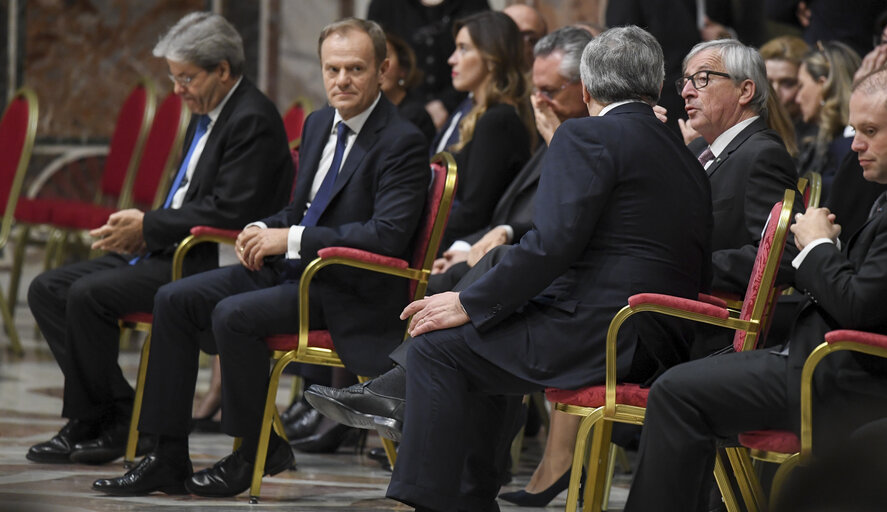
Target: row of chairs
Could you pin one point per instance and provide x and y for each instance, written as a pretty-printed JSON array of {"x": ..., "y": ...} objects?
[{"x": 137, "y": 170}]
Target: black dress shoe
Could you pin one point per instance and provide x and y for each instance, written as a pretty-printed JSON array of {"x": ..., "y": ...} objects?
[
  {"x": 379, "y": 455},
  {"x": 523, "y": 498},
  {"x": 357, "y": 405},
  {"x": 233, "y": 474},
  {"x": 304, "y": 424},
  {"x": 150, "y": 475},
  {"x": 109, "y": 446},
  {"x": 329, "y": 437},
  {"x": 294, "y": 411},
  {"x": 58, "y": 449}
]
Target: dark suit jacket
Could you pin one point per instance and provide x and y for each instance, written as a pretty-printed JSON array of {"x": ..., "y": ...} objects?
[
  {"x": 846, "y": 290},
  {"x": 487, "y": 164},
  {"x": 376, "y": 204},
  {"x": 852, "y": 196},
  {"x": 622, "y": 208},
  {"x": 515, "y": 207},
  {"x": 747, "y": 179},
  {"x": 244, "y": 172}
]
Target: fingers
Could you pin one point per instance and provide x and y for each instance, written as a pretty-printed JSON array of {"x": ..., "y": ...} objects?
[{"x": 412, "y": 308}]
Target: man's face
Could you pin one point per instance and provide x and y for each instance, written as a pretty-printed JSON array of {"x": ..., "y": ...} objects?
[
  {"x": 531, "y": 26},
  {"x": 564, "y": 97},
  {"x": 783, "y": 77},
  {"x": 350, "y": 74},
  {"x": 868, "y": 115},
  {"x": 716, "y": 107},
  {"x": 201, "y": 90}
]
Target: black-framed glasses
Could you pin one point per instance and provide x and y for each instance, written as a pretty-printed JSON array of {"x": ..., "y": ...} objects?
[{"x": 699, "y": 79}]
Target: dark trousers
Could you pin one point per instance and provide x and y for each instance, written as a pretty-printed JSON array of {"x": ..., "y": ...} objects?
[
  {"x": 76, "y": 307},
  {"x": 460, "y": 409},
  {"x": 229, "y": 310}
]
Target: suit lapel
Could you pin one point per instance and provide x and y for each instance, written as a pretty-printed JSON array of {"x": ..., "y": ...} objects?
[
  {"x": 367, "y": 137},
  {"x": 757, "y": 126},
  {"x": 309, "y": 157}
]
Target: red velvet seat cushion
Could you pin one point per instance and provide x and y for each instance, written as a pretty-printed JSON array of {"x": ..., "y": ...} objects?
[
  {"x": 134, "y": 318},
  {"x": 780, "y": 441},
  {"x": 318, "y": 339},
  {"x": 594, "y": 396},
  {"x": 34, "y": 210},
  {"x": 79, "y": 215}
]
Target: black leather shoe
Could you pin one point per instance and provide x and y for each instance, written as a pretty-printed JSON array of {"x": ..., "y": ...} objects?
[
  {"x": 303, "y": 425},
  {"x": 109, "y": 446},
  {"x": 232, "y": 475},
  {"x": 523, "y": 498},
  {"x": 357, "y": 405},
  {"x": 295, "y": 410},
  {"x": 329, "y": 437},
  {"x": 152, "y": 474},
  {"x": 58, "y": 449},
  {"x": 378, "y": 454}
]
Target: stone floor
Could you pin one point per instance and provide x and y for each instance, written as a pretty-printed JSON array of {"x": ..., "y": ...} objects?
[{"x": 30, "y": 391}]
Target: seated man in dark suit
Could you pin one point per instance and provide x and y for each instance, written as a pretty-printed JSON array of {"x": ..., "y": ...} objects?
[
  {"x": 236, "y": 166},
  {"x": 725, "y": 89},
  {"x": 694, "y": 404},
  {"x": 559, "y": 97},
  {"x": 619, "y": 196},
  {"x": 362, "y": 183}
]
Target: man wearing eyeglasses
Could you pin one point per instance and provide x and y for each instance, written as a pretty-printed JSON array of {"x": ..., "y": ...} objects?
[
  {"x": 236, "y": 166},
  {"x": 724, "y": 87}
]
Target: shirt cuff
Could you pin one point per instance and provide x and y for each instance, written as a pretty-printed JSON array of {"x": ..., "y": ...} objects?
[
  {"x": 257, "y": 223},
  {"x": 294, "y": 242},
  {"x": 460, "y": 245},
  {"x": 509, "y": 232},
  {"x": 809, "y": 247}
]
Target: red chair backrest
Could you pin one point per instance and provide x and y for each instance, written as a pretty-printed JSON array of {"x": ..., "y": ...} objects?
[
  {"x": 132, "y": 123},
  {"x": 17, "y": 129},
  {"x": 434, "y": 217},
  {"x": 293, "y": 120},
  {"x": 164, "y": 139},
  {"x": 759, "y": 295}
]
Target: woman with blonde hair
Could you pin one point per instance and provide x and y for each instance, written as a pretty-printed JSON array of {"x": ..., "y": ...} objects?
[
  {"x": 826, "y": 78},
  {"x": 497, "y": 135}
]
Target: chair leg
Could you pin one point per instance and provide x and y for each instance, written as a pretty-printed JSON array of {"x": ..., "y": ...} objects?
[
  {"x": 133, "y": 439},
  {"x": 597, "y": 466},
  {"x": 723, "y": 481},
  {"x": 779, "y": 478},
  {"x": 18, "y": 259},
  {"x": 578, "y": 459},
  {"x": 297, "y": 388},
  {"x": 9, "y": 322},
  {"x": 611, "y": 466},
  {"x": 749, "y": 485},
  {"x": 538, "y": 401},
  {"x": 265, "y": 431}
]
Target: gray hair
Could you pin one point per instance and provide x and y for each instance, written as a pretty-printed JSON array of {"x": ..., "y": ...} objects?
[
  {"x": 569, "y": 40},
  {"x": 742, "y": 63},
  {"x": 205, "y": 40},
  {"x": 623, "y": 63}
]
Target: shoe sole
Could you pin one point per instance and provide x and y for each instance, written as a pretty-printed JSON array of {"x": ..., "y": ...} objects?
[
  {"x": 388, "y": 428},
  {"x": 59, "y": 460},
  {"x": 339, "y": 412},
  {"x": 170, "y": 490}
]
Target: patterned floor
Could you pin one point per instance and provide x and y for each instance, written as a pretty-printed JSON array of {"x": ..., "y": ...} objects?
[{"x": 30, "y": 391}]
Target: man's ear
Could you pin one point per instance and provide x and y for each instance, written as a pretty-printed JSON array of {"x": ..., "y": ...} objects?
[
  {"x": 746, "y": 92},
  {"x": 224, "y": 70},
  {"x": 586, "y": 97}
]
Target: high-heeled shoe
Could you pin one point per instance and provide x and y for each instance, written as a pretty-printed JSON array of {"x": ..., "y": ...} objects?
[{"x": 523, "y": 498}]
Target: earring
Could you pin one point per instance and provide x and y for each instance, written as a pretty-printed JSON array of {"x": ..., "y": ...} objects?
[{"x": 400, "y": 82}]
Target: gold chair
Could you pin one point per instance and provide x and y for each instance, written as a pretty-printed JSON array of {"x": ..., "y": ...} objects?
[
  {"x": 600, "y": 406},
  {"x": 294, "y": 120},
  {"x": 814, "y": 189},
  {"x": 18, "y": 127}
]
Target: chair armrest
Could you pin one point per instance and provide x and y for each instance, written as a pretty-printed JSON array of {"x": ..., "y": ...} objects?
[
  {"x": 861, "y": 337},
  {"x": 359, "y": 255},
  {"x": 711, "y": 299},
  {"x": 670, "y": 301},
  {"x": 206, "y": 231},
  {"x": 199, "y": 235}
]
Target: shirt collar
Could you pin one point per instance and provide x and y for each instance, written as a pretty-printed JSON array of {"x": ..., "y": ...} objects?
[
  {"x": 615, "y": 104},
  {"x": 356, "y": 123},
  {"x": 214, "y": 113},
  {"x": 724, "y": 139}
]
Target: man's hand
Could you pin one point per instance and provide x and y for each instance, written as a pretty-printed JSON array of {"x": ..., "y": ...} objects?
[
  {"x": 253, "y": 244},
  {"x": 546, "y": 120},
  {"x": 494, "y": 238},
  {"x": 687, "y": 131},
  {"x": 814, "y": 224},
  {"x": 438, "y": 113},
  {"x": 449, "y": 259},
  {"x": 874, "y": 60},
  {"x": 122, "y": 233},
  {"x": 436, "y": 312},
  {"x": 661, "y": 113}
]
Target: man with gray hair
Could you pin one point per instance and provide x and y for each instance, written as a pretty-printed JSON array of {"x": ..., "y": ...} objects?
[
  {"x": 236, "y": 166},
  {"x": 619, "y": 196},
  {"x": 725, "y": 89}
]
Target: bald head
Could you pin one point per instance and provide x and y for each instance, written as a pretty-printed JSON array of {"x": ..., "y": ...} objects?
[
  {"x": 868, "y": 115},
  {"x": 531, "y": 25}
]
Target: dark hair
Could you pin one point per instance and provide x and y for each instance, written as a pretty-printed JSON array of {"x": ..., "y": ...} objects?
[{"x": 406, "y": 59}]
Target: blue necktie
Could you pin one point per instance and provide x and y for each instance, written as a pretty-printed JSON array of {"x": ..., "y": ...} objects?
[
  {"x": 202, "y": 123},
  {"x": 322, "y": 198}
]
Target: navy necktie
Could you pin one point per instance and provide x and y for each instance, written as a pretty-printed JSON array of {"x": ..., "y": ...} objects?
[
  {"x": 322, "y": 198},
  {"x": 179, "y": 181}
]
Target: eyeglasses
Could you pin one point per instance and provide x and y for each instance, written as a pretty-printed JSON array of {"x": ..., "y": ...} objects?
[
  {"x": 699, "y": 79},
  {"x": 183, "y": 80},
  {"x": 550, "y": 93}
]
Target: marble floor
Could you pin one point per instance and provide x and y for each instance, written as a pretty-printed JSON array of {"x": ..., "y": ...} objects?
[{"x": 30, "y": 403}]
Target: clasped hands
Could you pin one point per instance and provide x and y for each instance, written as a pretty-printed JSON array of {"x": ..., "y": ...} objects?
[
  {"x": 121, "y": 233},
  {"x": 254, "y": 243},
  {"x": 494, "y": 238},
  {"x": 814, "y": 224}
]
